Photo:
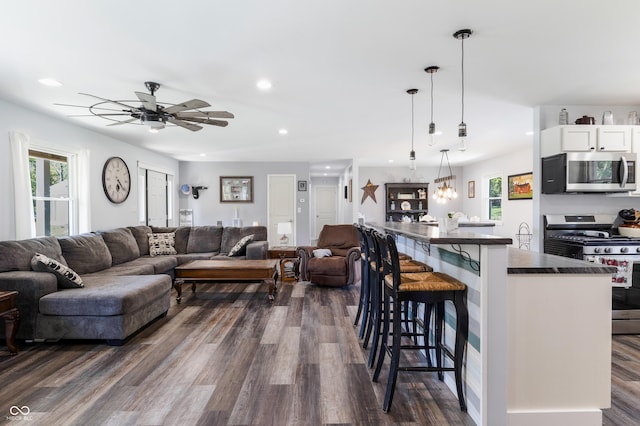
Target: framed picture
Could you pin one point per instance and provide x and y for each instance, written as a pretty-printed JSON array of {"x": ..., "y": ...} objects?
[
  {"x": 302, "y": 185},
  {"x": 520, "y": 187},
  {"x": 236, "y": 189},
  {"x": 471, "y": 189}
]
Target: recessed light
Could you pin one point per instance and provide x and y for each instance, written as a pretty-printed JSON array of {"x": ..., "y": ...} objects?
[
  {"x": 264, "y": 84},
  {"x": 325, "y": 174},
  {"x": 203, "y": 155},
  {"x": 391, "y": 161},
  {"x": 529, "y": 133},
  {"x": 283, "y": 131},
  {"x": 50, "y": 82},
  {"x": 327, "y": 167}
]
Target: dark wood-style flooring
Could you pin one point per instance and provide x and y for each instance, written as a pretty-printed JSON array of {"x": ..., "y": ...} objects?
[{"x": 226, "y": 357}]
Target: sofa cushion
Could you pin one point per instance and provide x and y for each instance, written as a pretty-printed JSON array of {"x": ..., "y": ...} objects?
[
  {"x": 162, "y": 243},
  {"x": 204, "y": 239},
  {"x": 105, "y": 296},
  {"x": 333, "y": 265},
  {"x": 340, "y": 237},
  {"x": 182, "y": 235},
  {"x": 85, "y": 253},
  {"x": 122, "y": 245},
  {"x": 240, "y": 248},
  {"x": 160, "y": 264},
  {"x": 231, "y": 235},
  {"x": 141, "y": 234},
  {"x": 127, "y": 268},
  {"x": 66, "y": 277},
  {"x": 16, "y": 255}
]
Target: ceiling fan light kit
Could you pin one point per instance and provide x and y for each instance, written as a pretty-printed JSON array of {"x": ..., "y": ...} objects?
[{"x": 156, "y": 114}]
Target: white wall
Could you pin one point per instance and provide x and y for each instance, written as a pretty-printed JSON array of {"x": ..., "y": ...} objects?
[
  {"x": 47, "y": 131},
  {"x": 374, "y": 212},
  {"x": 514, "y": 212},
  {"x": 207, "y": 209}
]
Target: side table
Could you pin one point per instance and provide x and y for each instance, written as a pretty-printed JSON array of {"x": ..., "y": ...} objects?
[
  {"x": 11, "y": 316},
  {"x": 288, "y": 262}
]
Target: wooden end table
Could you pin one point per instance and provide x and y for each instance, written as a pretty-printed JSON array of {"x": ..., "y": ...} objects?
[
  {"x": 11, "y": 316},
  {"x": 227, "y": 270},
  {"x": 288, "y": 262}
]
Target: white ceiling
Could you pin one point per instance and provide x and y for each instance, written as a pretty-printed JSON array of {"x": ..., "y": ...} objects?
[{"x": 340, "y": 70}]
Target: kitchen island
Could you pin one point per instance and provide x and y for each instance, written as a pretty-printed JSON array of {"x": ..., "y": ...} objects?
[{"x": 539, "y": 347}]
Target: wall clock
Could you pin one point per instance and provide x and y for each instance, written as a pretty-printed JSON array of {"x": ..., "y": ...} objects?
[{"x": 116, "y": 180}]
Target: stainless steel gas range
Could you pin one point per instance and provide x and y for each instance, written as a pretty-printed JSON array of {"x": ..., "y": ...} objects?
[{"x": 594, "y": 238}]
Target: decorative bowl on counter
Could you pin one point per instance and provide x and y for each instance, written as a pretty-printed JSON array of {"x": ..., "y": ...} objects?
[{"x": 627, "y": 230}]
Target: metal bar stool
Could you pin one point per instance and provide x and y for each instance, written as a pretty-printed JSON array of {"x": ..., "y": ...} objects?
[{"x": 428, "y": 287}]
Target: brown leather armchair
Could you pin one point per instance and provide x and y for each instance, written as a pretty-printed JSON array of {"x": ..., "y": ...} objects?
[{"x": 340, "y": 269}]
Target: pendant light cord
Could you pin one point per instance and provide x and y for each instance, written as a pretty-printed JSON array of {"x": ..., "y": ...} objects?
[
  {"x": 462, "y": 79},
  {"x": 431, "y": 97},
  {"x": 412, "y": 122}
]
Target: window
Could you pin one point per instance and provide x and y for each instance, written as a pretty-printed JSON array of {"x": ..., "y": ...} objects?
[
  {"x": 495, "y": 198},
  {"x": 50, "y": 192}
]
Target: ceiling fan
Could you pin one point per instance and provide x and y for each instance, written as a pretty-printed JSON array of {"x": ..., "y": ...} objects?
[{"x": 155, "y": 114}]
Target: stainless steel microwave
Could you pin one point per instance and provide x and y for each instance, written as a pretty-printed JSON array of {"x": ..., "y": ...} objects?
[{"x": 589, "y": 172}]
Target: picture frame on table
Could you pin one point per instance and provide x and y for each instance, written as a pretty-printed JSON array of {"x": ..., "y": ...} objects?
[
  {"x": 236, "y": 189},
  {"x": 520, "y": 186}
]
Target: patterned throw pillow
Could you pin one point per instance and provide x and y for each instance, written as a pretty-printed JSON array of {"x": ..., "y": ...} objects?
[
  {"x": 162, "y": 243},
  {"x": 67, "y": 278},
  {"x": 241, "y": 246}
]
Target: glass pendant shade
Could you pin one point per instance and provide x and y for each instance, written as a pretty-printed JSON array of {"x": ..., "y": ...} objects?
[
  {"x": 432, "y": 126},
  {"x": 446, "y": 191},
  {"x": 462, "y": 127},
  {"x": 412, "y": 153}
]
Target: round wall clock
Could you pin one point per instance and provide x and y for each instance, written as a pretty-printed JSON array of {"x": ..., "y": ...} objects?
[{"x": 116, "y": 180}]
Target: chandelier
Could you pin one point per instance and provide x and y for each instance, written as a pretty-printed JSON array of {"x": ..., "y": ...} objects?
[{"x": 446, "y": 191}]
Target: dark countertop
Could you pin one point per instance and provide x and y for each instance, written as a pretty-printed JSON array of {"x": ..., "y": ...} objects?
[
  {"x": 475, "y": 224},
  {"x": 433, "y": 235},
  {"x": 531, "y": 262}
]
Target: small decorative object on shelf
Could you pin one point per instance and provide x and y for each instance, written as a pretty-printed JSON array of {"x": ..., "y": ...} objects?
[{"x": 412, "y": 198}]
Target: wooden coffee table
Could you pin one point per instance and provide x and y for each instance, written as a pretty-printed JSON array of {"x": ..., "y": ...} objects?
[
  {"x": 227, "y": 270},
  {"x": 11, "y": 316}
]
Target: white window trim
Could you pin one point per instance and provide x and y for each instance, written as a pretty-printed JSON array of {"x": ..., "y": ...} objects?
[{"x": 485, "y": 197}]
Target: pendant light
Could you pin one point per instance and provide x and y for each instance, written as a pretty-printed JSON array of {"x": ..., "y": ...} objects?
[
  {"x": 432, "y": 126},
  {"x": 446, "y": 191},
  {"x": 412, "y": 153},
  {"x": 462, "y": 127}
]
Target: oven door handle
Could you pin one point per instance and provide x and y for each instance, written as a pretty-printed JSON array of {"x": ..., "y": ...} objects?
[{"x": 625, "y": 172}]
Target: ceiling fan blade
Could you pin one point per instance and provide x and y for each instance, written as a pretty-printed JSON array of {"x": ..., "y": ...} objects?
[
  {"x": 211, "y": 114},
  {"x": 84, "y": 106},
  {"x": 108, "y": 100},
  {"x": 148, "y": 101},
  {"x": 190, "y": 126},
  {"x": 206, "y": 121},
  {"x": 98, "y": 115},
  {"x": 117, "y": 123},
  {"x": 192, "y": 104}
]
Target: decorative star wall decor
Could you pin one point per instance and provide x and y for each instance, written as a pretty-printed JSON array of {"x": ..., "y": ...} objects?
[{"x": 369, "y": 191}]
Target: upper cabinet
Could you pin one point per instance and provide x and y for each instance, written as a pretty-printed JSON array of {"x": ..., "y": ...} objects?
[{"x": 586, "y": 138}]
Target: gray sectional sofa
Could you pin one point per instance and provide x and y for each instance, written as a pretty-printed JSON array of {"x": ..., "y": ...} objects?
[{"x": 124, "y": 286}]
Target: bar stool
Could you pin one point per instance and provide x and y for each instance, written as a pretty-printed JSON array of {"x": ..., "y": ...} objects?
[
  {"x": 428, "y": 287},
  {"x": 377, "y": 311},
  {"x": 364, "y": 301}
]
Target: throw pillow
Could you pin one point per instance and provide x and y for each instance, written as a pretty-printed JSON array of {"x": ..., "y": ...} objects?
[
  {"x": 67, "y": 278},
  {"x": 241, "y": 246},
  {"x": 322, "y": 253},
  {"x": 162, "y": 243}
]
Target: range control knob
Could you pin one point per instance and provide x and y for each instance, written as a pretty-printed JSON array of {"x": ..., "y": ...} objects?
[
  {"x": 607, "y": 250},
  {"x": 597, "y": 249},
  {"x": 624, "y": 249}
]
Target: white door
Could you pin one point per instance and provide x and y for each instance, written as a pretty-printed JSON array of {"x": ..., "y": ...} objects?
[
  {"x": 282, "y": 207},
  {"x": 156, "y": 198},
  {"x": 326, "y": 207}
]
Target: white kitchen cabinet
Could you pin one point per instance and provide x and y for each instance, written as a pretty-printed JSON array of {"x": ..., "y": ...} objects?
[{"x": 587, "y": 138}]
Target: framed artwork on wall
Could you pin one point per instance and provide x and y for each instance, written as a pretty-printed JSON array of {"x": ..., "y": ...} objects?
[
  {"x": 236, "y": 189},
  {"x": 302, "y": 185},
  {"x": 471, "y": 189},
  {"x": 520, "y": 187}
]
